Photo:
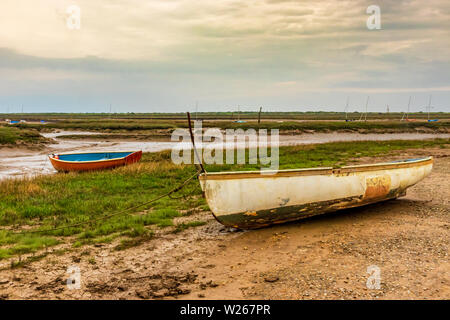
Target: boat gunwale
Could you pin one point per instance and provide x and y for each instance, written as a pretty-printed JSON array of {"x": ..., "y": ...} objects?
[
  {"x": 315, "y": 171},
  {"x": 92, "y": 161}
]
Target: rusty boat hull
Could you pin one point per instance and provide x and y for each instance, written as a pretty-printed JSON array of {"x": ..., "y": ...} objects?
[
  {"x": 93, "y": 161},
  {"x": 249, "y": 200}
]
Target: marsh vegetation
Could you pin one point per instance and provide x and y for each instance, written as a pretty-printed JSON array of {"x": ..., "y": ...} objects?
[{"x": 54, "y": 201}]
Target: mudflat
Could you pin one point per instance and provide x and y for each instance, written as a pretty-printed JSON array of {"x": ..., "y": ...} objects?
[{"x": 324, "y": 257}]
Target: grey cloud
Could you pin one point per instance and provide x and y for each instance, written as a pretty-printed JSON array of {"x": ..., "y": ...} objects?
[
  {"x": 225, "y": 52},
  {"x": 292, "y": 12}
]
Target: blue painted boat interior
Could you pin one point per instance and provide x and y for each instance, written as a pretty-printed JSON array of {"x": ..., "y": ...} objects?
[
  {"x": 93, "y": 156},
  {"x": 409, "y": 160}
]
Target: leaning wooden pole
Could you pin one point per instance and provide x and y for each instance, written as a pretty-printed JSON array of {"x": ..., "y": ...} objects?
[
  {"x": 259, "y": 115},
  {"x": 193, "y": 144}
]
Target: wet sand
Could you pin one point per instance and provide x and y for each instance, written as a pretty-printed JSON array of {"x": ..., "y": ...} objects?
[
  {"x": 323, "y": 257},
  {"x": 22, "y": 162}
]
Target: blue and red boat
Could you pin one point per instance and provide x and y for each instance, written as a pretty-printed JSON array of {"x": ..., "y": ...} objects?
[{"x": 93, "y": 161}]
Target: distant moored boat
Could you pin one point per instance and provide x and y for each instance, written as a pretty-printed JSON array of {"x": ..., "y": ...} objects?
[{"x": 93, "y": 161}]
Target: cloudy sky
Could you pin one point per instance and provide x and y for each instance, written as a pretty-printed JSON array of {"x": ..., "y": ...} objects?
[{"x": 164, "y": 55}]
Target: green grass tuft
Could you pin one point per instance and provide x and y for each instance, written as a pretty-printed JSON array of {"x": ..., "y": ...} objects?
[{"x": 13, "y": 135}]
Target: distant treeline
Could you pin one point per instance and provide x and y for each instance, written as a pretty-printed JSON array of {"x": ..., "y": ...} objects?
[{"x": 243, "y": 115}]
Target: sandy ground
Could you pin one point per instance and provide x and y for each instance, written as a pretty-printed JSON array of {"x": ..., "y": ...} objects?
[{"x": 324, "y": 257}]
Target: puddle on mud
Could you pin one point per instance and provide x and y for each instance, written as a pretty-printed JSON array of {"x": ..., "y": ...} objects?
[{"x": 22, "y": 163}]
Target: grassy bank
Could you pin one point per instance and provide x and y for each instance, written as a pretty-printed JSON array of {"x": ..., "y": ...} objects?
[
  {"x": 53, "y": 201},
  {"x": 330, "y": 126},
  {"x": 107, "y": 125},
  {"x": 146, "y": 126},
  {"x": 117, "y": 136},
  {"x": 11, "y": 136}
]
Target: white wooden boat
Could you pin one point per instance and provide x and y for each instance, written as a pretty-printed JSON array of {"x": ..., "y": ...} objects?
[{"x": 249, "y": 199}]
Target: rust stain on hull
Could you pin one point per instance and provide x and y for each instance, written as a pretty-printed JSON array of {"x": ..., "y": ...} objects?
[{"x": 377, "y": 187}]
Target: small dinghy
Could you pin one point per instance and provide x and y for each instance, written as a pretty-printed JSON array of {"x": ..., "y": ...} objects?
[
  {"x": 93, "y": 161},
  {"x": 249, "y": 199}
]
